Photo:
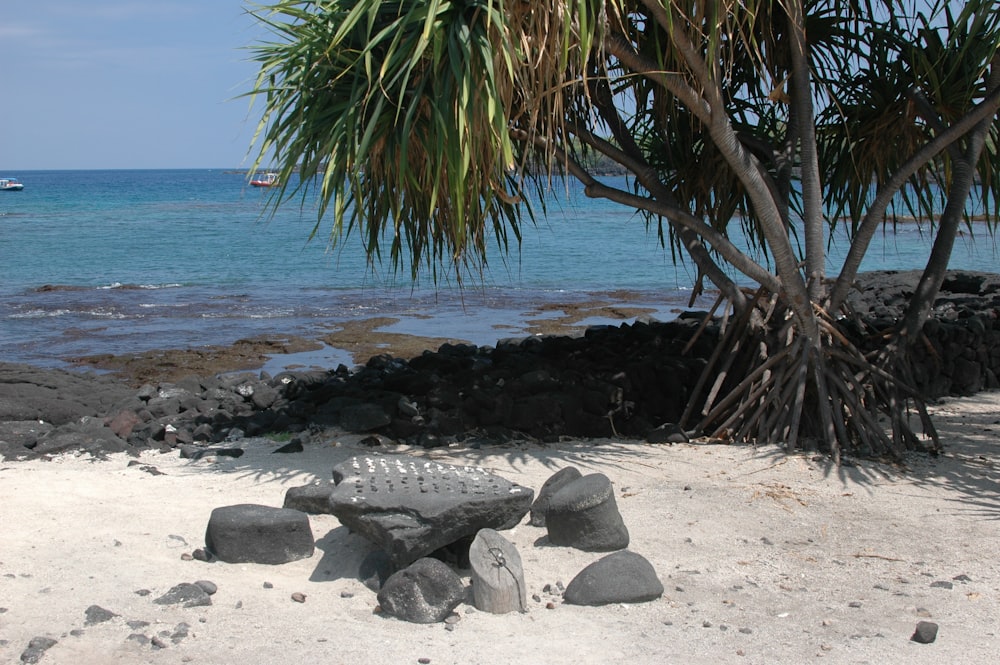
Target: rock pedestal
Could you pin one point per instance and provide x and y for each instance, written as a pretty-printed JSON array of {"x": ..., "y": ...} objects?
[
  {"x": 410, "y": 506},
  {"x": 583, "y": 514},
  {"x": 251, "y": 533},
  {"x": 497, "y": 574}
]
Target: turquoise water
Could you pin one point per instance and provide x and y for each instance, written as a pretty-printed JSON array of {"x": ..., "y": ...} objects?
[{"x": 126, "y": 261}]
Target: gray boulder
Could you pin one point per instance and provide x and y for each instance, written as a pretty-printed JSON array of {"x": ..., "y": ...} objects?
[
  {"x": 556, "y": 482},
  {"x": 425, "y": 592},
  {"x": 621, "y": 577},
  {"x": 313, "y": 498},
  {"x": 583, "y": 514},
  {"x": 251, "y": 533},
  {"x": 410, "y": 506}
]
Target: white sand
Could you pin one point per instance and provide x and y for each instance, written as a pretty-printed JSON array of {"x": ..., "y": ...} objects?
[{"x": 765, "y": 558}]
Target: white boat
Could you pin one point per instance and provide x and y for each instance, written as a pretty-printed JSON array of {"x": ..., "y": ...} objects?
[
  {"x": 10, "y": 185},
  {"x": 265, "y": 180}
]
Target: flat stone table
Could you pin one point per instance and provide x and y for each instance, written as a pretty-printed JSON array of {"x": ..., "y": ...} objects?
[{"x": 411, "y": 506}]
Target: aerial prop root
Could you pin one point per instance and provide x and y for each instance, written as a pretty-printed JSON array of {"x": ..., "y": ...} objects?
[{"x": 767, "y": 382}]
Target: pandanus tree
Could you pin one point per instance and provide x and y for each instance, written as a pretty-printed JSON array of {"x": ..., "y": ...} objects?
[{"x": 750, "y": 130}]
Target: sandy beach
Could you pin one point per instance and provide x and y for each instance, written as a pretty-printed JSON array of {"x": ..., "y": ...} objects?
[{"x": 765, "y": 558}]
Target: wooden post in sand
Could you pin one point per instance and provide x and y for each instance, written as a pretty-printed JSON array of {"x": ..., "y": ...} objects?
[{"x": 497, "y": 575}]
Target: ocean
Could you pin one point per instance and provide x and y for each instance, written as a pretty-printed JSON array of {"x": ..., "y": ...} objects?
[{"x": 115, "y": 262}]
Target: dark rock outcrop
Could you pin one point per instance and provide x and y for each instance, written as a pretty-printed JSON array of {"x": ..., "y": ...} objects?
[{"x": 632, "y": 380}]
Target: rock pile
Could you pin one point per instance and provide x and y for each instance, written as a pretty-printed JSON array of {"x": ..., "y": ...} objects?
[
  {"x": 630, "y": 380},
  {"x": 418, "y": 513}
]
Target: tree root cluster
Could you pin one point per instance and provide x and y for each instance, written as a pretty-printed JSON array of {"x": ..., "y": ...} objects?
[{"x": 768, "y": 382}]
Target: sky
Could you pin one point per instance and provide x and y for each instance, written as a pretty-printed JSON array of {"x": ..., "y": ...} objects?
[{"x": 126, "y": 84}]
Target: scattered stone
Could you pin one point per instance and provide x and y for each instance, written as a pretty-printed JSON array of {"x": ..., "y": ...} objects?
[
  {"x": 96, "y": 614},
  {"x": 621, "y": 577},
  {"x": 555, "y": 482},
  {"x": 299, "y": 597},
  {"x": 583, "y": 514},
  {"x": 251, "y": 533},
  {"x": 411, "y": 507},
  {"x": 181, "y": 631},
  {"x": 36, "y": 649},
  {"x": 136, "y": 624},
  {"x": 268, "y": 585},
  {"x": 191, "y": 595},
  {"x": 293, "y": 446},
  {"x": 964, "y": 579},
  {"x": 157, "y": 643},
  {"x": 426, "y": 591},
  {"x": 197, "y": 452},
  {"x": 942, "y": 584},
  {"x": 202, "y": 555},
  {"x": 208, "y": 587},
  {"x": 497, "y": 575},
  {"x": 138, "y": 638},
  {"x": 667, "y": 433},
  {"x": 313, "y": 498},
  {"x": 925, "y": 633}
]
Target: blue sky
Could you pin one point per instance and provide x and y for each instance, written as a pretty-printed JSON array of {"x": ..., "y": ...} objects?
[{"x": 125, "y": 84}]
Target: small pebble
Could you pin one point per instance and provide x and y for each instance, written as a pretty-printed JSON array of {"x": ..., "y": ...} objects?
[
  {"x": 550, "y": 605},
  {"x": 299, "y": 597},
  {"x": 208, "y": 587},
  {"x": 187, "y": 557},
  {"x": 925, "y": 633},
  {"x": 423, "y": 661},
  {"x": 854, "y": 603},
  {"x": 346, "y": 594},
  {"x": 268, "y": 585},
  {"x": 452, "y": 618}
]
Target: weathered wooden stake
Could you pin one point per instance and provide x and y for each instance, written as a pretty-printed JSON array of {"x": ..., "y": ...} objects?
[{"x": 497, "y": 575}]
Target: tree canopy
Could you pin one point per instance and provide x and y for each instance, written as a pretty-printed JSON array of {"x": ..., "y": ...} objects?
[{"x": 428, "y": 126}]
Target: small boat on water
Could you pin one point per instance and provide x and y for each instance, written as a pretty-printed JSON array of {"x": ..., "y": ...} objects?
[
  {"x": 265, "y": 180},
  {"x": 10, "y": 185}
]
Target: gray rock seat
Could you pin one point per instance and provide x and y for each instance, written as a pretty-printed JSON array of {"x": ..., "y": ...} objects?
[
  {"x": 424, "y": 592},
  {"x": 584, "y": 514},
  {"x": 621, "y": 577},
  {"x": 411, "y": 506},
  {"x": 556, "y": 482},
  {"x": 251, "y": 533}
]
